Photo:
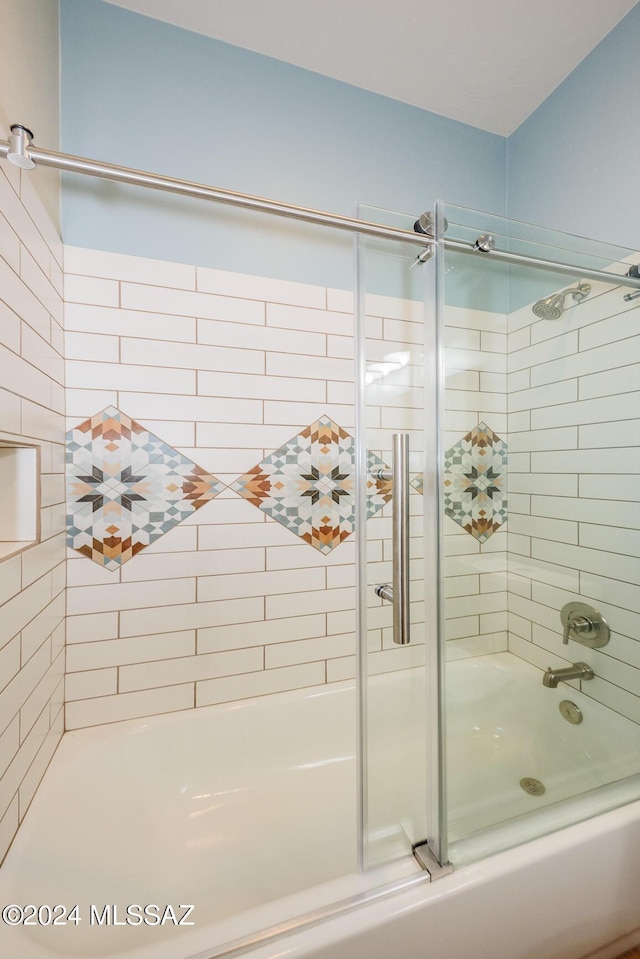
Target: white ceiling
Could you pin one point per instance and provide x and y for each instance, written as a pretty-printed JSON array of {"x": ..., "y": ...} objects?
[{"x": 489, "y": 63}]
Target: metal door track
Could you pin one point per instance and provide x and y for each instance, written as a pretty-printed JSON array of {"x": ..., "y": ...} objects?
[{"x": 429, "y": 863}]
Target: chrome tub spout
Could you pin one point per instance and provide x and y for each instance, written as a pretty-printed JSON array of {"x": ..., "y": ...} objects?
[{"x": 552, "y": 677}]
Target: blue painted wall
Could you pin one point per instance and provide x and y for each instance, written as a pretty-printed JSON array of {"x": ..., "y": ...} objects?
[
  {"x": 573, "y": 164},
  {"x": 142, "y": 93},
  {"x": 146, "y": 94}
]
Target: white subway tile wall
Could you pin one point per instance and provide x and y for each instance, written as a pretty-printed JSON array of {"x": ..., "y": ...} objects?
[
  {"x": 475, "y": 585},
  {"x": 399, "y": 376},
  {"x": 575, "y": 518},
  {"x": 32, "y": 630},
  {"x": 226, "y": 368}
]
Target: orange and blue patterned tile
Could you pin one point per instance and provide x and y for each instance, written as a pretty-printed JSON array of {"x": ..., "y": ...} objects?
[
  {"x": 126, "y": 487},
  {"x": 308, "y": 485},
  {"x": 475, "y": 482}
]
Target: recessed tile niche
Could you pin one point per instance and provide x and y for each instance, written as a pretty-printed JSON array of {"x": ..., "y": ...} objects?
[{"x": 19, "y": 497}]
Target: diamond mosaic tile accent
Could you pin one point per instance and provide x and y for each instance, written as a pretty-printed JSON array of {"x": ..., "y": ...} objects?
[
  {"x": 308, "y": 485},
  {"x": 475, "y": 482},
  {"x": 126, "y": 488}
]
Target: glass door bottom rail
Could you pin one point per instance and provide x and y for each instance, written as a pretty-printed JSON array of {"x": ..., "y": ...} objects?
[{"x": 247, "y": 810}]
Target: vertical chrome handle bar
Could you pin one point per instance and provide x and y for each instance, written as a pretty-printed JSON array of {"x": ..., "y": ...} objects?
[
  {"x": 400, "y": 523},
  {"x": 398, "y": 592}
]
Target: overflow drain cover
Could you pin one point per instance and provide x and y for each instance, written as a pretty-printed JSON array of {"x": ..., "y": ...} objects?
[
  {"x": 532, "y": 786},
  {"x": 570, "y": 712}
]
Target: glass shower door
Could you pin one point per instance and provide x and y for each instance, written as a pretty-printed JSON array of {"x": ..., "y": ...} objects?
[
  {"x": 540, "y": 512},
  {"x": 397, "y": 627},
  {"x": 509, "y": 362}
]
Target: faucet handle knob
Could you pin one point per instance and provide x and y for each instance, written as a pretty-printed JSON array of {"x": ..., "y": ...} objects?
[
  {"x": 576, "y": 624},
  {"x": 584, "y": 625}
]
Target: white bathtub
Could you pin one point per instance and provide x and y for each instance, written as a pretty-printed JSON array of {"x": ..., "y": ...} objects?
[
  {"x": 503, "y": 726},
  {"x": 235, "y": 808}
]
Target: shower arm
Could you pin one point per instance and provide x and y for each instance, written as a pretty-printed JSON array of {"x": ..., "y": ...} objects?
[{"x": 155, "y": 181}]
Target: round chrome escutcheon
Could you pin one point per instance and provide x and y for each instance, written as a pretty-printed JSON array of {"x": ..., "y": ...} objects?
[{"x": 570, "y": 712}]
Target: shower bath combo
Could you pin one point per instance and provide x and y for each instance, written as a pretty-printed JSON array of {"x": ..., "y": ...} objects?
[{"x": 442, "y": 733}]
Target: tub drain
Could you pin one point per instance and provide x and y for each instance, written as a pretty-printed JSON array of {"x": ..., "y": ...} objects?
[{"x": 532, "y": 786}]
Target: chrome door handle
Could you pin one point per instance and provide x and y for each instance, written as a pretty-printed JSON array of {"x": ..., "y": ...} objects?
[{"x": 398, "y": 592}]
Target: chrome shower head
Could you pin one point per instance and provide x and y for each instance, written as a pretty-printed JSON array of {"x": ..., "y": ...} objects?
[{"x": 552, "y": 307}]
